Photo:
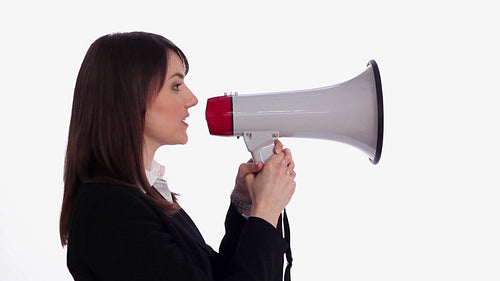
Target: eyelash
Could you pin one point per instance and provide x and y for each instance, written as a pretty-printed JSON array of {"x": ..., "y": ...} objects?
[{"x": 176, "y": 86}]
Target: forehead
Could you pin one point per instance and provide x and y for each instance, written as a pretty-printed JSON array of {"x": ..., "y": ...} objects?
[{"x": 174, "y": 63}]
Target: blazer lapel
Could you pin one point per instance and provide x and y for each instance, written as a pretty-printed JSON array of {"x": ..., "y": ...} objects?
[
  {"x": 186, "y": 225},
  {"x": 182, "y": 220}
]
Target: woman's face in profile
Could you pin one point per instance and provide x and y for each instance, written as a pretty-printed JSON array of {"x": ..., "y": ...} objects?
[{"x": 165, "y": 120}]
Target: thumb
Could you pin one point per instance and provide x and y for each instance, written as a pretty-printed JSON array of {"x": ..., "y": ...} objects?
[{"x": 252, "y": 167}]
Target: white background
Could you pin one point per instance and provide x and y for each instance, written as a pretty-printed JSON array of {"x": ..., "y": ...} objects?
[{"x": 430, "y": 210}]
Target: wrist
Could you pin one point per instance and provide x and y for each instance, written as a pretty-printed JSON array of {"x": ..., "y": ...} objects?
[
  {"x": 243, "y": 207},
  {"x": 269, "y": 216},
  {"x": 242, "y": 194}
]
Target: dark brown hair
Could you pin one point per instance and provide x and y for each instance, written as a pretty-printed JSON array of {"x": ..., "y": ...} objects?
[{"x": 119, "y": 75}]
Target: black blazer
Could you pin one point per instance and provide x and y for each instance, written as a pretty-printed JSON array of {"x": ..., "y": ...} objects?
[{"x": 118, "y": 234}]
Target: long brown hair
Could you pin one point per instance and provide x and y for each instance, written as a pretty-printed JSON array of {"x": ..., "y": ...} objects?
[{"x": 119, "y": 75}]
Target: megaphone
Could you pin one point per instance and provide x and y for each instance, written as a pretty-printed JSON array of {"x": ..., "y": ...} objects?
[{"x": 350, "y": 112}]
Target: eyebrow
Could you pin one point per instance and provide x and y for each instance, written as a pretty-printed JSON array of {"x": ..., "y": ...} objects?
[{"x": 178, "y": 74}]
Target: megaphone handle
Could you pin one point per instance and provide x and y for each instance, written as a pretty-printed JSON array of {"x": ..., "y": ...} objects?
[
  {"x": 260, "y": 144},
  {"x": 263, "y": 154}
]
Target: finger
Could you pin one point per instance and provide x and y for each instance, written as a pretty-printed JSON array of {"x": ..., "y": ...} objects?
[
  {"x": 276, "y": 158},
  {"x": 251, "y": 167},
  {"x": 287, "y": 159},
  {"x": 278, "y": 146},
  {"x": 291, "y": 166}
]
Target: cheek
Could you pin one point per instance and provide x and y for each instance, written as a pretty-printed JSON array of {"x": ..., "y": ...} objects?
[
  {"x": 163, "y": 114},
  {"x": 171, "y": 112}
]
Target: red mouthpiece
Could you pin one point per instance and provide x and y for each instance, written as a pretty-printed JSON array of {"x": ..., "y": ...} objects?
[{"x": 219, "y": 115}]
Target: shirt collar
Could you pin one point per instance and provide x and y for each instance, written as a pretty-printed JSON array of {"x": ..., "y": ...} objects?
[{"x": 157, "y": 171}]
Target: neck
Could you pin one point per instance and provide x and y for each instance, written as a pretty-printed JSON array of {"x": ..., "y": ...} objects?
[{"x": 148, "y": 155}]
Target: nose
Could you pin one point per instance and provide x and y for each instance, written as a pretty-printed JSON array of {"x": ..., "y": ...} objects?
[{"x": 191, "y": 100}]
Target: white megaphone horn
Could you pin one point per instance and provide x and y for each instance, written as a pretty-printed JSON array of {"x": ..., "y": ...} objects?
[{"x": 350, "y": 112}]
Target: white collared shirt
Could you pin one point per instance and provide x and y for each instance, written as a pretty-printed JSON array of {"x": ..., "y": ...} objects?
[{"x": 157, "y": 172}]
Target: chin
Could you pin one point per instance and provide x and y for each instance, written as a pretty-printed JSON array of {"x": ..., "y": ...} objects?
[
  {"x": 184, "y": 141},
  {"x": 176, "y": 141}
]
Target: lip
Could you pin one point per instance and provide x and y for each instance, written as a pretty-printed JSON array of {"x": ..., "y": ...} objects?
[{"x": 184, "y": 120}]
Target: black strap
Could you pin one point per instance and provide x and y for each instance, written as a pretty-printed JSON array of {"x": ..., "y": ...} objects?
[{"x": 289, "y": 259}]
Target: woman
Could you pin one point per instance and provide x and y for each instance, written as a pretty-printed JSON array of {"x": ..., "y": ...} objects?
[{"x": 119, "y": 219}]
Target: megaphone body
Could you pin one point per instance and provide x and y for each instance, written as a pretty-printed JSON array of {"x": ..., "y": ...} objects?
[{"x": 349, "y": 112}]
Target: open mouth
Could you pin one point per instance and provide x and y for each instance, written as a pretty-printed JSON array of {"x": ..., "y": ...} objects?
[{"x": 184, "y": 120}]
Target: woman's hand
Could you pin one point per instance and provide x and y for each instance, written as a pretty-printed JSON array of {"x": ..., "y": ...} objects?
[
  {"x": 241, "y": 189},
  {"x": 268, "y": 187}
]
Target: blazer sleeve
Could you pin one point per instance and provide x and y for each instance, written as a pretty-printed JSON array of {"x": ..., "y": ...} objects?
[{"x": 252, "y": 249}]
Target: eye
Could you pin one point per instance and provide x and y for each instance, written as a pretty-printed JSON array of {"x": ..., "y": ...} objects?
[{"x": 177, "y": 86}]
